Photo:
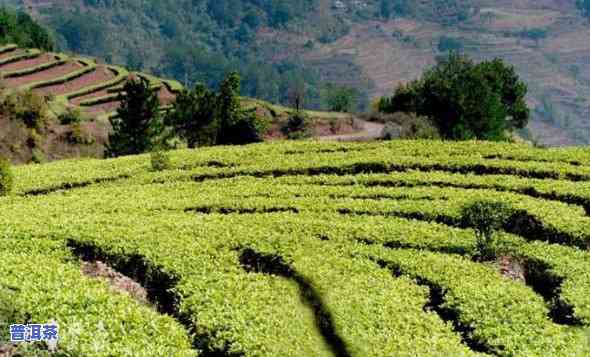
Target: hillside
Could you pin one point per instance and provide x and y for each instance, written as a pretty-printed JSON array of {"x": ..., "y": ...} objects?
[
  {"x": 370, "y": 45},
  {"x": 301, "y": 249},
  {"x": 81, "y": 94}
]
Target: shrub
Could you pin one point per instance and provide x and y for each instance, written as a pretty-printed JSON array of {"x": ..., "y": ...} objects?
[
  {"x": 71, "y": 116},
  {"x": 6, "y": 177},
  {"x": 407, "y": 126},
  {"x": 38, "y": 157},
  {"x": 416, "y": 127},
  {"x": 486, "y": 218},
  {"x": 298, "y": 126},
  {"x": 160, "y": 160},
  {"x": 249, "y": 128},
  {"x": 27, "y": 107}
]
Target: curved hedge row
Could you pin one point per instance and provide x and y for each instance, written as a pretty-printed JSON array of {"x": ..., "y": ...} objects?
[{"x": 305, "y": 248}]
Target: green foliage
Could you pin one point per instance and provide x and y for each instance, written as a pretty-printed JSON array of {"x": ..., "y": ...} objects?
[
  {"x": 160, "y": 160},
  {"x": 341, "y": 216},
  {"x": 25, "y": 106},
  {"x": 204, "y": 118},
  {"x": 340, "y": 99},
  {"x": 71, "y": 115},
  {"x": 486, "y": 218},
  {"x": 19, "y": 28},
  {"x": 466, "y": 100},
  {"x": 191, "y": 51},
  {"x": 194, "y": 116},
  {"x": 6, "y": 177},
  {"x": 298, "y": 126},
  {"x": 138, "y": 127}
]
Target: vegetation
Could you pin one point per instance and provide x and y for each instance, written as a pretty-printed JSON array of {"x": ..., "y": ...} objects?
[
  {"x": 340, "y": 99},
  {"x": 204, "y": 118},
  {"x": 160, "y": 160},
  {"x": 19, "y": 28},
  {"x": 194, "y": 116},
  {"x": 486, "y": 218},
  {"x": 281, "y": 236},
  {"x": 466, "y": 100},
  {"x": 298, "y": 126},
  {"x": 6, "y": 177},
  {"x": 137, "y": 127},
  {"x": 26, "y": 107}
]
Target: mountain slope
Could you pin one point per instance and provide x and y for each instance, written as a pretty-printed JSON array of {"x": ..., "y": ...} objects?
[{"x": 371, "y": 45}]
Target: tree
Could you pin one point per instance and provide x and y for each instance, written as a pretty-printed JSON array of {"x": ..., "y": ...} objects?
[
  {"x": 340, "y": 99},
  {"x": 466, "y": 100},
  {"x": 228, "y": 106},
  {"x": 194, "y": 116},
  {"x": 486, "y": 218},
  {"x": 205, "y": 118},
  {"x": 137, "y": 128},
  {"x": 21, "y": 29}
]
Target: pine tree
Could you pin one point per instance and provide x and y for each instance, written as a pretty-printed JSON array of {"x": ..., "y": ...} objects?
[{"x": 137, "y": 127}]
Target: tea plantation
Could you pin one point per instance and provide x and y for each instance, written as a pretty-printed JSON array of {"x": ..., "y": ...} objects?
[{"x": 303, "y": 249}]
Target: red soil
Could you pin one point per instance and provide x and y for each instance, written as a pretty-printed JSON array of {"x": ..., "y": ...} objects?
[
  {"x": 105, "y": 107},
  {"x": 44, "y": 75},
  {"x": 44, "y": 58},
  {"x": 166, "y": 97},
  {"x": 101, "y": 74},
  {"x": 100, "y": 93},
  {"x": 10, "y": 53}
]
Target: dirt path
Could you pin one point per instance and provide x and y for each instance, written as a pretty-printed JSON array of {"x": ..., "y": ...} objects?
[{"x": 370, "y": 131}]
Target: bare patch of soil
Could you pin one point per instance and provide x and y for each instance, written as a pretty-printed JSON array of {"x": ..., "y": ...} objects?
[
  {"x": 512, "y": 268},
  {"x": 44, "y": 58},
  {"x": 101, "y": 74},
  {"x": 7, "y": 350},
  {"x": 363, "y": 131},
  {"x": 44, "y": 75},
  {"x": 118, "y": 281}
]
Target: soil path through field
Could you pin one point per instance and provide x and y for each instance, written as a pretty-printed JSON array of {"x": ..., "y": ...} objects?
[{"x": 370, "y": 131}]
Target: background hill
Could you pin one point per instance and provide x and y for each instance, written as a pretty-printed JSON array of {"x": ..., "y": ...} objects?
[{"x": 371, "y": 45}]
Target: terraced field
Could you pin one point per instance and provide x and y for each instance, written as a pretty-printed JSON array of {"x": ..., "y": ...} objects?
[
  {"x": 73, "y": 81},
  {"x": 303, "y": 249}
]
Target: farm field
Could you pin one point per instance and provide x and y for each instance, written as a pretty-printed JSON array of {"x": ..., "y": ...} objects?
[
  {"x": 302, "y": 249},
  {"x": 73, "y": 81}
]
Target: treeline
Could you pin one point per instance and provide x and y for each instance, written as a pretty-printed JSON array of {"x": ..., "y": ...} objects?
[
  {"x": 19, "y": 28},
  {"x": 190, "y": 40},
  {"x": 200, "y": 117}
]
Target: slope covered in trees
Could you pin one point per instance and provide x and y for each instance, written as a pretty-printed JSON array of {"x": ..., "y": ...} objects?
[{"x": 370, "y": 45}]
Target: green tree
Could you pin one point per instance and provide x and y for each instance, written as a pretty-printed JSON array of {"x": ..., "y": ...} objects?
[
  {"x": 19, "y": 28},
  {"x": 486, "y": 218},
  {"x": 340, "y": 99},
  {"x": 138, "y": 127},
  {"x": 466, "y": 100},
  {"x": 194, "y": 116},
  {"x": 228, "y": 106},
  {"x": 204, "y": 118}
]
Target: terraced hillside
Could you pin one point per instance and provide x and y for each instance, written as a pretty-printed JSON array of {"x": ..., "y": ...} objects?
[
  {"x": 303, "y": 249},
  {"x": 73, "y": 81}
]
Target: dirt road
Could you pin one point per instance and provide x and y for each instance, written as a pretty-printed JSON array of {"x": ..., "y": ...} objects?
[{"x": 370, "y": 131}]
